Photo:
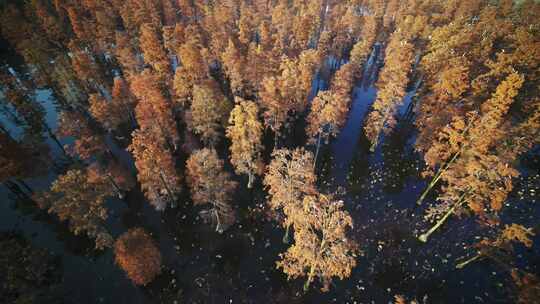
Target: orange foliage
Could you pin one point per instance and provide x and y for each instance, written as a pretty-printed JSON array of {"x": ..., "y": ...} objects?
[
  {"x": 136, "y": 253},
  {"x": 518, "y": 233},
  {"x": 321, "y": 248},
  {"x": 288, "y": 92},
  {"x": 209, "y": 112},
  {"x": 235, "y": 65},
  {"x": 127, "y": 54},
  {"x": 81, "y": 202},
  {"x": 155, "y": 169},
  {"x": 211, "y": 185},
  {"x": 88, "y": 142},
  {"x": 328, "y": 114},
  {"x": 153, "y": 111},
  {"x": 193, "y": 71},
  {"x": 465, "y": 149},
  {"x": 82, "y": 27},
  {"x": 392, "y": 83},
  {"x": 154, "y": 52},
  {"x": 289, "y": 177},
  {"x": 103, "y": 111},
  {"x": 245, "y": 132},
  {"x": 362, "y": 48},
  {"x": 50, "y": 23}
]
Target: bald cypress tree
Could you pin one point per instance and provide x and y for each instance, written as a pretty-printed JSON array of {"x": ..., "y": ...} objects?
[
  {"x": 392, "y": 84},
  {"x": 245, "y": 132}
]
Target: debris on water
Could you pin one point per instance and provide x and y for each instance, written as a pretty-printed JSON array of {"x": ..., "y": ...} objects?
[{"x": 199, "y": 281}]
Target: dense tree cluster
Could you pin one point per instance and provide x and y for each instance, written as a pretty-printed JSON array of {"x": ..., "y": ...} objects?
[{"x": 194, "y": 88}]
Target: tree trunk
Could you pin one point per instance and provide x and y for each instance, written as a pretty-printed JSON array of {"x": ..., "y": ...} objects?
[
  {"x": 218, "y": 225},
  {"x": 424, "y": 237},
  {"x": 311, "y": 273},
  {"x": 468, "y": 261},
  {"x": 310, "y": 278},
  {"x": 443, "y": 168},
  {"x": 117, "y": 189},
  {"x": 437, "y": 177},
  {"x": 286, "y": 239},
  {"x": 374, "y": 145},
  {"x": 250, "y": 180},
  {"x": 169, "y": 192},
  {"x": 431, "y": 184}
]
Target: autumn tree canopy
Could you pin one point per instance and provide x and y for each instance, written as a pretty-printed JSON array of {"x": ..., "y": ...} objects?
[
  {"x": 209, "y": 112},
  {"x": 321, "y": 248},
  {"x": 289, "y": 177},
  {"x": 194, "y": 89},
  {"x": 136, "y": 253},
  {"x": 212, "y": 186},
  {"x": 245, "y": 132},
  {"x": 392, "y": 86},
  {"x": 80, "y": 202},
  {"x": 156, "y": 170}
]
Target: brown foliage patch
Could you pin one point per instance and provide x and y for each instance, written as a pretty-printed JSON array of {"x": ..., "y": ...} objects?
[{"x": 138, "y": 256}]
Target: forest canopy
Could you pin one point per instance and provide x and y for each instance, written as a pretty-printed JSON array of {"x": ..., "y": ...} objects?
[{"x": 226, "y": 111}]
